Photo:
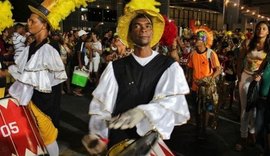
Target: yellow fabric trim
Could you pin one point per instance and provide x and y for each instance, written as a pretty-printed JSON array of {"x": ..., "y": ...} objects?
[
  {"x": 47, "y": 130},
  {"x": 2, "y": 92}
]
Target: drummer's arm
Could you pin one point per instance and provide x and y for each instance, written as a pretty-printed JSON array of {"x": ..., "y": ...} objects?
[
  {"x": 169, "y": 106},
  {"x": 98, "y": 123},
  {"x": 162, "y": 118},
  {"x": 104, "y": 97}
]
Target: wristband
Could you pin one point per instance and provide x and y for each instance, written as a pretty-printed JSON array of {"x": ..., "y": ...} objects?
[{"x": 104, "y": 140}]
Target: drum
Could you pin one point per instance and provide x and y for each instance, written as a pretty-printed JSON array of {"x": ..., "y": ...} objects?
[
  {"x": 19, "y": 135},
  {"x": 149, "y": 145}
]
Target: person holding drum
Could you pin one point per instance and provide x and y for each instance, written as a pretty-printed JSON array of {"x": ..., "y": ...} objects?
[
  {"x": 141, "y": 92},
  {"x": 39, "y": 72}
]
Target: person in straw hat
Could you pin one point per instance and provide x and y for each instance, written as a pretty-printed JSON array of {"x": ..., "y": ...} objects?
[
  {"x": 140, "y": 92},
  {"x": 39, "y": 70}
]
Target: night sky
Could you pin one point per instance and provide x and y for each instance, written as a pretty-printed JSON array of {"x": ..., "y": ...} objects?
[{"x": 20, "y": 9}]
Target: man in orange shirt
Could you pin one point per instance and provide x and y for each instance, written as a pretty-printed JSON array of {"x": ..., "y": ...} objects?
[{"x": 206, "y": 67}]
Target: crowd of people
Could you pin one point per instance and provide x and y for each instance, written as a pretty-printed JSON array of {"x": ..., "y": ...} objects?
[
  {"x": 94, "y": 52},
  {"x": 138, "y": 83}
]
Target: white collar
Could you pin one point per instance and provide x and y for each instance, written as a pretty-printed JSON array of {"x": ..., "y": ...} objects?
[{"x": 144, "y": 60}]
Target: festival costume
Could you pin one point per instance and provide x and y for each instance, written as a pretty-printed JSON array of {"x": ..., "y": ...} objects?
[
  {"x": 38, "y": 71},
  {"x": 39, "y": 74},
  {"x": 203, "y": 85},
  {"x": 202, "y": 63},
  {"x": 164, "y": 109},
  {"x": 204, "y": 88},
  {"x": 201, "y": 66},
  {"x": 148, "y": 96}
]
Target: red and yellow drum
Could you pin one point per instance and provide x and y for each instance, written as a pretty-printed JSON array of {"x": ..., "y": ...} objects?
[{"x": 19, "y": 135}]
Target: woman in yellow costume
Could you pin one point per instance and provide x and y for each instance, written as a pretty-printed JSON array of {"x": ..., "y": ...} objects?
[{"x": 39, "y": 70}]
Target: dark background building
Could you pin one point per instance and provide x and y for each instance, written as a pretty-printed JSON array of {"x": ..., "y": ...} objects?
[{"x": 103, "y": 14}]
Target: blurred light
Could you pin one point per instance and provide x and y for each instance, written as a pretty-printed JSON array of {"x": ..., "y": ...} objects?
[
  {"x": 197, "y": 23},
  {"x": 253, "y": 13},
  {"x": 84, "y": 9},
  {"x": 107, "y": 7},
  {"x": 235, "y": 4},
  {"x": 242, "y": 7},
  {"x": 210, "y": 0},
  {"x": 248, "y": 10},
  {"x": 98, "y": 6}
]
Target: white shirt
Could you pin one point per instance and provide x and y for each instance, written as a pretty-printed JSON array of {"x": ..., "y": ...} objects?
[
  {"x": 167, "y": 109},
  {"x": 96, "y": 45}
]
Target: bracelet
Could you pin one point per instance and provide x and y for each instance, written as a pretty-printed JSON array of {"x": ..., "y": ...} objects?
[{"x": 105, "y": 140}]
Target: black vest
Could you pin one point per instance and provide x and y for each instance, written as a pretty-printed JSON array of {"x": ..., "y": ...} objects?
[{"x": 137, "y": 85}]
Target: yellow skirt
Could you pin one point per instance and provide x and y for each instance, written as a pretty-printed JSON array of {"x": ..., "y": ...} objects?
[
  {"x": 2, "y": 92},
  {"x": 47, "y": 130}
]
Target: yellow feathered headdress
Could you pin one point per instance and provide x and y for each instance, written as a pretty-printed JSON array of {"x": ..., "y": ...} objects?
[
  {"x": 5, "y": 15},
  {"x": 132, "y": 9},
  {"x": 54, "y": 11}
]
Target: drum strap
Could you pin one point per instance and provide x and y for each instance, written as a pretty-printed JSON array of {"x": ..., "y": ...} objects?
[{"x": 208, "y": 54}]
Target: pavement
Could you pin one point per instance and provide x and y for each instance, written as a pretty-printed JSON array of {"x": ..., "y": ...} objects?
[{"x": 219, "y": 142}]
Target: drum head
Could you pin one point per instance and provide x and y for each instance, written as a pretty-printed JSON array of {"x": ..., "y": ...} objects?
[{"x": 140, "y": 147}]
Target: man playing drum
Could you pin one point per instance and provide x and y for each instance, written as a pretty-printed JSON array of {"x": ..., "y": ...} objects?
[{"x": 140, "y": 92}]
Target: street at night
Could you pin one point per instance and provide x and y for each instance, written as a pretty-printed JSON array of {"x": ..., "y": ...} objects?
[{"x": 192, "y": 73}]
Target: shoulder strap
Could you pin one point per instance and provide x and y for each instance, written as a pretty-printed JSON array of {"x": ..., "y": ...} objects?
[{"x": 208, "y": 55}]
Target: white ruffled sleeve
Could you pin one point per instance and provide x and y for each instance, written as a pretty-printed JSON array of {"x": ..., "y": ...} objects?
[
  {"x": 42, "y": 71},
  {"x": 169, "y": 107},
  {"x": 102, "y": 104}
]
